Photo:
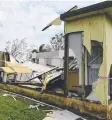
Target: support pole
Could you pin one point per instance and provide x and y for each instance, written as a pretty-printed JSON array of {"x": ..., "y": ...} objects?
[{"x": 66, "y": 62}]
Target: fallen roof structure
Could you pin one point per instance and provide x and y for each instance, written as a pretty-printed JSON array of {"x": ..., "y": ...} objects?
[
  {"x": 18, "y": 68},
  {"x": 36, "y": 67}
]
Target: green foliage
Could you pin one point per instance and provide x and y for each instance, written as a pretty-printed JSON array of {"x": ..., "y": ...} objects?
[
  {"x": 57, "y": 42},
  {"x": 44, "y": 48}
]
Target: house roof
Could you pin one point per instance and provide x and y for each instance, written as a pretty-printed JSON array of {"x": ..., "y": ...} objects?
[{"x": 88, "y": 9}]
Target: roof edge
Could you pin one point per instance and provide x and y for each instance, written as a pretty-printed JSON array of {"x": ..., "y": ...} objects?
[{"x": 88, "y": 9}]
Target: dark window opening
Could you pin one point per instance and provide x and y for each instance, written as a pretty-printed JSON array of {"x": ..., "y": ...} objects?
[{"x": 7, "y": 57}]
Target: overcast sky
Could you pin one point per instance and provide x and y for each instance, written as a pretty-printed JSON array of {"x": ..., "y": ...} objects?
[{"x": 25, "y": 19}]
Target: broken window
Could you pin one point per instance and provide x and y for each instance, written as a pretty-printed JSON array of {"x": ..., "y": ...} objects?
[{"x": 7, "y": 57}]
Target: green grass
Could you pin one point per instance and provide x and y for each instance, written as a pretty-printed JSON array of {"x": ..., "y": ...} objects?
[{"x": 11, "y": 109}]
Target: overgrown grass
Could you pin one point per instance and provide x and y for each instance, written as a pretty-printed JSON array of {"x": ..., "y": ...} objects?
[{"x": 11, "y": 109}]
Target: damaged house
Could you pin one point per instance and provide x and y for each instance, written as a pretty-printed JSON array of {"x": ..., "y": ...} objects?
[
  {"x": 11, "y": 70},
  {"x": 88, "y": 33},
  {"x": 87, "y": 79},
  {"x": 52, "y": 58}
]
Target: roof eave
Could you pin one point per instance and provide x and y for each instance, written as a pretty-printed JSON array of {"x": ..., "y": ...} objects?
[{"x": 85, "y": 10}]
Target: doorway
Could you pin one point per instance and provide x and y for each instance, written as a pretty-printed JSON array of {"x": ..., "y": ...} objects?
[
  {"x": 94, "y": 61},
  {"x": 75, "y": 66}
]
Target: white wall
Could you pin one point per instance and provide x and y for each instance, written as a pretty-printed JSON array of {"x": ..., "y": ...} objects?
[
  {"x": 34, "y": 55},
  {"x": 57, "y": 62},
  {"x": 51, "y": 61},
  {"x": 42, "y": 61},
  {"x": 53, "y": 58}
]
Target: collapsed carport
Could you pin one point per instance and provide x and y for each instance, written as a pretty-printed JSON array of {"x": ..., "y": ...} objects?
[{"x": 12, "y": 72}]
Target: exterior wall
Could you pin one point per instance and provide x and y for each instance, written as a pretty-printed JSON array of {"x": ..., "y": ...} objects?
[
  {"x": 54, "y": 58},
  {"x": 61, "y": 53},
  {"x": 47, "y": 54},
  {"x": 93, "y": 28},
  {"x": 34, "y": 54},
  {"x": 42, "y": 61},
  {"x": 51, "y": 61},
  {"x": 57, "y": 62},
  {"x": 108, "y": 24}
]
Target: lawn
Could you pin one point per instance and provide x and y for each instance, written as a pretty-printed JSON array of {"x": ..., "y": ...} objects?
[{"x": 11, "y": 109}]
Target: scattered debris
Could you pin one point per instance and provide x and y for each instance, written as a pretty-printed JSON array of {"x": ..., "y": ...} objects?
[
  {"x": 34, "y": 106},
  {"x": 5, "y": 94},
  {"x": 50, "y": 110},
  {"x": 31, "y": 86},
  {"x": 61, "y": 91},
  {"x": 72, "y": 94},
  {"x": 13, "y": 96},
  {"x": 63, "y": 115}
]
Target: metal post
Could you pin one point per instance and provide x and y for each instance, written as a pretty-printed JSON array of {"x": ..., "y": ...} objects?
[{"x": 66, "y": 69}]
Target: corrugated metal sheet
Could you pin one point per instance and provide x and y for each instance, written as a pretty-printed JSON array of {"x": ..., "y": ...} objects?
[{"x": 37, "y": 67}]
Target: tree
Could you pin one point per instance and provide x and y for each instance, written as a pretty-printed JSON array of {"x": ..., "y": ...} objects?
[
  {"x": 57, "y": 42},
  {"x": 35, "y": 50},
  {"x": 31, "y": 49},
  {"x": 17, "y": 48},
  {"x": 44, "y": 48},
  {"x": 41, "y": 48}
]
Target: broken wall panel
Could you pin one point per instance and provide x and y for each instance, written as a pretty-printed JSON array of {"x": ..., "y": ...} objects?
[{"x": 94, "y": 29}]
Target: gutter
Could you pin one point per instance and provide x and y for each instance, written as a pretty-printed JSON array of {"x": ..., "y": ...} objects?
[{"x": 88, "y": 9}]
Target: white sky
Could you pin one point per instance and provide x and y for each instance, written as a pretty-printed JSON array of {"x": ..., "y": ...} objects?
[{"x": 26, "y": 18}]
